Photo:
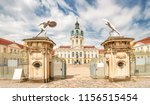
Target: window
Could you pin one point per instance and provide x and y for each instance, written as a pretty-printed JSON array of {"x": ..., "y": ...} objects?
[
  {"x": 11, "y": 50},
  {"x": 18, "y": 61},
  {"x": 68, "y": 55},
  {"x": 76, "y": 41},
  {"x": 72, "y": 32},
  {"x": 77, "y": 32},
  {"x": 72, "y": 54},
  {"x": 84, "y": 55},
  {"x": 5, "y": 61},
  {"x": 121, "y": 64},
  {"x": 81, "y": 32},
  {"x": 95, "y": 55},
  {"x": 141, "y": 48},
  {"x": 4, "y": 50},
  {"x": 37, "y": 64},
  {"x": 148, "y": 48},
  {"x": 77, "y": 55},
  {"x": 80, "y": 54}
]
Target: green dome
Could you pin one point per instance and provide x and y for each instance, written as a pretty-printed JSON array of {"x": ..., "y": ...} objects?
[{"x": 77, "y": 31}]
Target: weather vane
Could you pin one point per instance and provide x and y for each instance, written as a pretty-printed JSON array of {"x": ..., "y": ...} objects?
[
  {"x": 113, "y": 29},
  {"x": 44, "y": 25}
]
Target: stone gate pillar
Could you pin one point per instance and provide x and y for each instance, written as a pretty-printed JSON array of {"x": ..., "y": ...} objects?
[
  {"x": 40, "y": 52},
  {"x": 117, "y": 51}
]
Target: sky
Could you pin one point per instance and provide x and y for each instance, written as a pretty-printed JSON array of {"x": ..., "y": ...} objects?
[{"x": 20, "y": 19}]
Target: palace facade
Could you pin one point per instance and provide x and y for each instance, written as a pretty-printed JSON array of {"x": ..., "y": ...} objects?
[
  {"x": 77, "y": 53},
  {"x": 142, "y": 51},
  {"x": 11, "y": 51}
]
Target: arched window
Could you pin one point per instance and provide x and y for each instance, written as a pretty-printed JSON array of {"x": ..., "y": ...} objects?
[
  {"x": 80, "y": 54},
  {"x": 76, "y": 41},
  {"x": 95, "y": 55},
  {"x": 81, "y": 32},
  {"x": 72, "y": 32},
  {"x": 77, "y": 55},
  {"x": 72, "y": 54},
  {"x": 77, "y": 32}
]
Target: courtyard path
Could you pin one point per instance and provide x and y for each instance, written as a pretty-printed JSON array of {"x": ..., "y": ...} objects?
[{"x": 78, "y": 76}]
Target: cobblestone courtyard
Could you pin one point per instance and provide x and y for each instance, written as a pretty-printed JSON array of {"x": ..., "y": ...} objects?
[{"x": 78, "y": 76}]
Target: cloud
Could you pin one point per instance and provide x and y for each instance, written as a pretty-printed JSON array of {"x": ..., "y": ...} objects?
[
  {"x": 146, "y": 12},
  {"x": 21, "y": 20}
]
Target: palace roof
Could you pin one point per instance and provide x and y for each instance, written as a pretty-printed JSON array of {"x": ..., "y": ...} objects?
[
  {"x": 8, "y": 42},
  {"x": 101, "y": 51},
  {"x": 144, "y": 41}
]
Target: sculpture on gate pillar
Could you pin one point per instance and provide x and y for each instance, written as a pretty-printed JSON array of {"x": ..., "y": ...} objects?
[
  {"x": 39, "y": 50},
  {"x": 44, "y": 25},
  {"x": 113, "y": 29},
  {"x": 117, "y": 52}
]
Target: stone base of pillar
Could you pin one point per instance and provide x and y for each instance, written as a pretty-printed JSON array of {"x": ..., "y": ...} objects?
[
  {"x": 106, "y": 77},
  {"x": 37, "y": 80},
  {"x": 120, "y": 79}
]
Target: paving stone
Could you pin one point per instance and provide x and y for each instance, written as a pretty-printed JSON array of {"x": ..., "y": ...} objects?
[{"x": 79, "y": 77}]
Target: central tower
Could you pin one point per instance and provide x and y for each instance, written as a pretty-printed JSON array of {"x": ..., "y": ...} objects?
[{"x": 77, "y": 36}]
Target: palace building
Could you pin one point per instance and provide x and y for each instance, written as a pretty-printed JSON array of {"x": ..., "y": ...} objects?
[
  {"x": 10, "y": 50},
  {"x": 77, "y": 53},
  {"x": 142, "y": 51}
]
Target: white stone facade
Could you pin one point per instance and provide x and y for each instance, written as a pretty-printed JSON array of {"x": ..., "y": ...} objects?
[
  {"x": 11, "y": 51},
  {"x": 142, "y": 51},
  {"x": 76, "y": 53}
]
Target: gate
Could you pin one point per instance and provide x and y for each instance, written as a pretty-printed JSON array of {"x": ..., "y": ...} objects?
[
  {"x": 7, "y": 72},
  {"x": 58, "y": 68},
  {"x": 96, "y": 69},
  {"x": 11, "y": 61},
  {"x": 141, "y": 64}
]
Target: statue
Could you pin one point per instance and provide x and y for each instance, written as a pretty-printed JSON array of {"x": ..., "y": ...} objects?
[
  {"x": 113, "y": 29},
  {"x": 44, "y": 25}
]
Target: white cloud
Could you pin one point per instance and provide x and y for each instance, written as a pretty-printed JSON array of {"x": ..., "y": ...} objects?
[
  {"x": 17, "y": 21},
  {"x": 147, "y": 11}
]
